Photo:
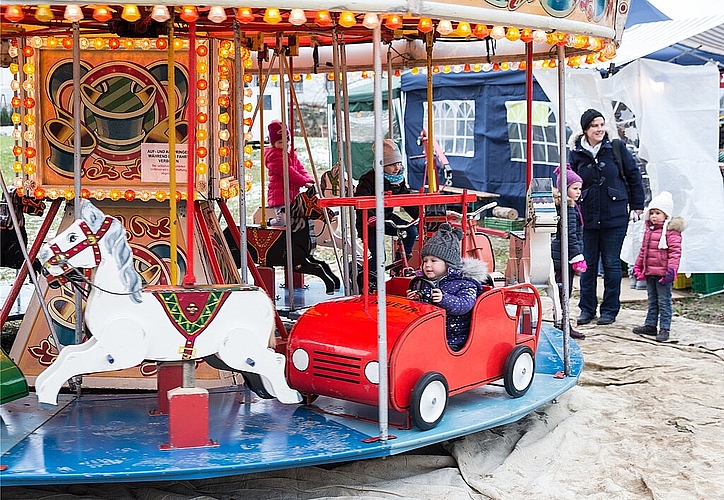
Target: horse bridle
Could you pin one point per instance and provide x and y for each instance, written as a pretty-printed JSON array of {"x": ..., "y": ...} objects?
[{"x": 60, "y": 258}]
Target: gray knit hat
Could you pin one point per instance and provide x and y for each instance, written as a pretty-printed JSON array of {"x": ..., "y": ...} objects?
[{"x": 445, "y": 245}]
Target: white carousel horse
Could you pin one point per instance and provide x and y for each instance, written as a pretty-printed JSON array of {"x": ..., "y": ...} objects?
[{"x": 130, "y": 325}]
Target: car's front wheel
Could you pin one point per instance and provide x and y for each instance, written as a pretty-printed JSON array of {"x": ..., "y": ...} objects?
[{"x": 428, "y": 400}]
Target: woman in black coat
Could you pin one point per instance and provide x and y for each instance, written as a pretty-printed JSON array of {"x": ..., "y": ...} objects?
[{"x": 612, "y": 194}]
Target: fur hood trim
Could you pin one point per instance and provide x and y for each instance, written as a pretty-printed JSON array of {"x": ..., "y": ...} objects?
[
  {"x": 677, "y": 224},
  {"x": 475, "y": 269}
]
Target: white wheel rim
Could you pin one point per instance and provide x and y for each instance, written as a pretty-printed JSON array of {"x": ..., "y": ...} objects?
[
  {"x": 523, "y": 371},
  {"x": 432, "y": 401}
]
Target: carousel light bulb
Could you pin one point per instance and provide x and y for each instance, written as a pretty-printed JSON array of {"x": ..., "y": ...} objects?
[
  {"x": 115, "y": 194},
  {"x": 28, "y": 85},
  {"x": 272, "y": 16},
  {"x": 371, "y": 21},
  {"x": 129, "y": 43},
  {"x": 178, "y": 44},
  {"x": 114, "y": 43},
  {"x": 36, "y": 42},
  {"x": 16, "y": 119},
  {"x": 202, "y": 101},
  {"x": 297, "y": 17},
  {"x": 68, "y": 193},
  {"x": 201, "y": 168},
  {"x": 224, "y": 85},
  {"x": 224, "y": 183},
  {"x": 498, "y": 32},
  {"x": 160, "y": 195},
  {"x": 244, "y": 15},
  {"x": 347, "y": 19},
  {"x": 99, "y": 43},
  {"x": 217, "y": 15},
  {"x": 160, "y": 13},
  {"x": 14, "y": 13},
  {"x": 539, "y": 36},
  {"x": 248, "y": 137},
  {"x": 224, "y": 135},
  {"x": 424, "y": 25},
  {"x": 248, "y": 163},
  {"x": 29, "y": 120},
  {"x": 85, "y": 193},
  {"x": 526, "y": 35},
  {"x": 248, "y": 107},
  {"x": 189, "y": 13},
  {"x": 224, "y": 167},
  {"x": 248, "y": 149},
  {"x": 52, "y": 42},
  {"x": 248, "y": 63},
  {"x": 84, "y": 43},
  {"x": 13, "y": 51},
  {"x": 28, "y": 68},
  {"x": 393, "y": 22},
  {"x": 102, "y": 13},
  {"x": 481, "y": 31},
  {"x": 161, "y": 43},
  {"x": 28, "y": 51},
  {"x": 44, "y": 13},
  {"x": 29, "y": 136},
  {"x": 513, "y": 34},
  {"x": 444, "y": 27},
  {"x": 15, "y": 85},
  {"x": 130, "y": 13},
  {"x": 464, "y": 29},
  {"x": 73, "y": 13},
  {"x": 52, "y": 193},
  {"x": 145, "y": 44},
  {"x": 323, "y": 18},
  {"x": 202, "y": 134},
  {"x": 145, "y": 195},
  {"x": 17, "y": 167},
  {"x": 99, "y": 194}
]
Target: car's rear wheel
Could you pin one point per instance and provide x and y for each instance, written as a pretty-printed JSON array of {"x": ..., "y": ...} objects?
[
  {"x": 519, "y": 371},
  {"x": 428, "y": 400}
]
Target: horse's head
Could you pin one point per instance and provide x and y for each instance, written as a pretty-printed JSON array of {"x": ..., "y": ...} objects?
[
  {"x": 77, "y": 246},
  {"x": 309, "y": 206}
]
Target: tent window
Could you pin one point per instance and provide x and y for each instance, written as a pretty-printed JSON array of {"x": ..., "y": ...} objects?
[
  {"x": 545, "y": 132},
  {"x": 454, "y": 123}
]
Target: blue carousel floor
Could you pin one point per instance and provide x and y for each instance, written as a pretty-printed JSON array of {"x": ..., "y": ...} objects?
[{"x": 114, "y": 438}]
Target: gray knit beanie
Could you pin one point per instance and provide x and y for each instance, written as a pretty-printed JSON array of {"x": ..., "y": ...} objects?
[{"x": 445, "y": 245}]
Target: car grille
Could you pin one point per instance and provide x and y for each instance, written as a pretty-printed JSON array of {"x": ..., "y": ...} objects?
[{"x": 337, "y": 367}]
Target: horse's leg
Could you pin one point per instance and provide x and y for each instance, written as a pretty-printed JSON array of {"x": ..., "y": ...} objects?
[
  {"x": 49, "y": 372},
  {"x": 328, "y": 270},
  {"x": 308, "y": 267},
  {"x": 245, "y": 351},
  {"x": 118, "y": 346}
]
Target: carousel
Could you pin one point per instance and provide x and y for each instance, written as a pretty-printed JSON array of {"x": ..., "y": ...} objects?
[{"x": 132, "y": 130}]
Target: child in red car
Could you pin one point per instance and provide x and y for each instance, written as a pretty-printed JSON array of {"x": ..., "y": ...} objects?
[
  {"x": 450, "y": 282},
  {"x": 658, "y": 263}
]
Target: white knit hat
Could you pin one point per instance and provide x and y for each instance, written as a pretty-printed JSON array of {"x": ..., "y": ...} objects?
[{"x": 664, "y": 202}]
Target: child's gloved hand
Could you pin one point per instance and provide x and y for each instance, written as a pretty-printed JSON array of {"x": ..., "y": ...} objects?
[
  {"x": 372, "y": 220},
  {"x": 638, "y": 273},
  {"x": 669, "y": 277},
  {"x": 579, "y": 267}
]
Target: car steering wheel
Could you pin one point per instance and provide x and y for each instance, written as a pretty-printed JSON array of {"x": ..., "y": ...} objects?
[{"x": 418, "y": 283}]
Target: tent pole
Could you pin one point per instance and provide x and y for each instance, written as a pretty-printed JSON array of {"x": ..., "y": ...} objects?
[
  {"x": 77, "y": 139},
  {"x": 431, "y": 170}
]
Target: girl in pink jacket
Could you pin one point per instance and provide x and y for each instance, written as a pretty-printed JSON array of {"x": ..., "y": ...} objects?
[
  {"x": 658, "y": 263},
  {"x": 274, "y": 161}
]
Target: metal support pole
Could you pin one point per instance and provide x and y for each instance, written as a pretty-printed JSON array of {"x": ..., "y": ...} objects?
[{"x": 564, "y": 212}]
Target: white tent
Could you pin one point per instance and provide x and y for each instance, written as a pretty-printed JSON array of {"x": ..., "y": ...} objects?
[{"x": 675, "y": 111}]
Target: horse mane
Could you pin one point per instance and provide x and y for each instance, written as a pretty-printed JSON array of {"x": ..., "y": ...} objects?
[{"x": 116, "y": 243}]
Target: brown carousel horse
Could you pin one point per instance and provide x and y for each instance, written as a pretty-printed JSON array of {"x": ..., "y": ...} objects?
[{"x": 267, "y": 246}]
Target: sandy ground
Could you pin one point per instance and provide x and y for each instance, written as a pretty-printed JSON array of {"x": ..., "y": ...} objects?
[{"x": 645, "y": 422}]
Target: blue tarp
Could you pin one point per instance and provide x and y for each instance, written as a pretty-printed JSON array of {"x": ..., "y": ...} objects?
[{"x": 490, "y": 169}]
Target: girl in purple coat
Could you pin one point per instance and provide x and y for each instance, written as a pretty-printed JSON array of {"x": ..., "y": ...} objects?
[
  {"x": 274, "y": 161},
  {"x": 450, "y": 282},
  {"x": 658, "y": 263}
]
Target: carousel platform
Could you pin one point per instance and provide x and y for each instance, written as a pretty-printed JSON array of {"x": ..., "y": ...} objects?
[{"x": 116, "y": 438}]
